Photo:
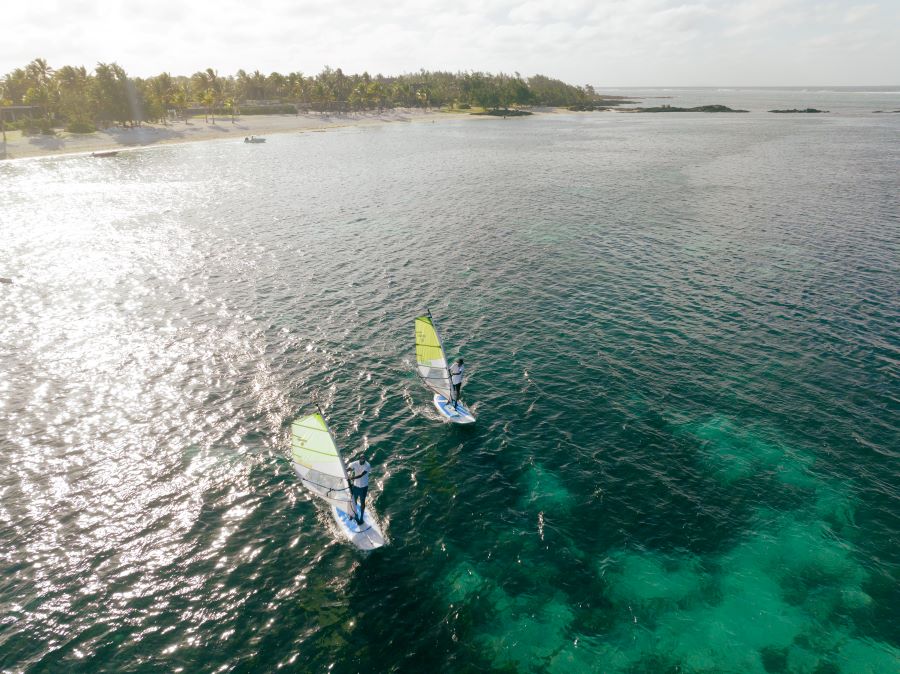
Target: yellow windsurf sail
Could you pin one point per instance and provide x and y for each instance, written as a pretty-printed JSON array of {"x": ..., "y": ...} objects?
[
  {"x": 318, "y": 462},
  {"x": 431, "y": 363}
]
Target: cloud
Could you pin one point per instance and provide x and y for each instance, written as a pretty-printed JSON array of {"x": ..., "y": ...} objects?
[
  {"x": 610, "y": 41},
  {"x": 860, "y": 12}
]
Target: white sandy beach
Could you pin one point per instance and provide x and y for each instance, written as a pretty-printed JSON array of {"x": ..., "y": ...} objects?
[{"x": 198, "y": 129}]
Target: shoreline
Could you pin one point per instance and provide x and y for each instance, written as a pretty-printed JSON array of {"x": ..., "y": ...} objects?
[{"x": 19, "y": 146}]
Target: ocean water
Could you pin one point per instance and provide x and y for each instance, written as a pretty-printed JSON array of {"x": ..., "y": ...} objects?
[{"x": 681, "y": 335}]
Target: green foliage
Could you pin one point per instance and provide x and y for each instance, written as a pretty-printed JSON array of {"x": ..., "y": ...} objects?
[
  {"x": 33, "y": 127},
  {"x": 284, "y": 109},
  {"x": 548, "y": 91},
  {"x": 75, "y": 97},
  {"x": 80, "y": 126},
  {"x": 110, "y": 93}
]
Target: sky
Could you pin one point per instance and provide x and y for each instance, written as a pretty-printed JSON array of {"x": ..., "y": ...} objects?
[{"x": 603, "y": 43}]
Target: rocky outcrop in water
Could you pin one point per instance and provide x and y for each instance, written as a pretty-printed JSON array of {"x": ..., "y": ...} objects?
[
  {"x": 672, "y": 108},
  {"x": 795, "y": 110}
]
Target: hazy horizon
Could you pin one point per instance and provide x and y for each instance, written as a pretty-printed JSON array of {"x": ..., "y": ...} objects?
[{"x": 707, "y": 43}]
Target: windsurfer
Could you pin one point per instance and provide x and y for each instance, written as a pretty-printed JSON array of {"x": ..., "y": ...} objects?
[
  {"x": 456, "y": 376},
  {"x": 358, "y": 474}
]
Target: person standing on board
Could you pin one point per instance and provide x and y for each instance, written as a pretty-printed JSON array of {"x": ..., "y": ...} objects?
[
  {"x": 456, "y": 376},
  {"x": 358, "y": 474}
]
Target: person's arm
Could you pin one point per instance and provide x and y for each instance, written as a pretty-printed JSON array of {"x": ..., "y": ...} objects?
[{"x": 352, "y": 476}]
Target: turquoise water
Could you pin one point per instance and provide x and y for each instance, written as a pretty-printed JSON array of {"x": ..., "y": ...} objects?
[{"x": 681, "y": 335}]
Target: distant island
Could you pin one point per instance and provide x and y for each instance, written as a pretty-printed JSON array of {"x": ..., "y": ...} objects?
[
  {"x": 672, "y": 108},
  {"x": 795, "y": 110}
]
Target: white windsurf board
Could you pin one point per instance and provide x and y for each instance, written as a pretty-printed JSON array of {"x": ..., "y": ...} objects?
[
  {"x": 365, "y": 536},
  {"x": 458, "y": 413}
]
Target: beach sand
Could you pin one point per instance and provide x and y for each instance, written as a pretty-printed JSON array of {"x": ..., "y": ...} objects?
[{"x": 198, "y": 129}]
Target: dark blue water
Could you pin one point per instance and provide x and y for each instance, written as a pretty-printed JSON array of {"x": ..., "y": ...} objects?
[{"x": 681, "y": 334}]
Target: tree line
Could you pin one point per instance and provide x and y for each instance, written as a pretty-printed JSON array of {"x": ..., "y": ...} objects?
[{"x": 82, "y": 100}]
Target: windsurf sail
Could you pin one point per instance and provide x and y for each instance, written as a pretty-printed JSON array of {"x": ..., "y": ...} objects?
[
  {"x": 318, "y": 462},
  {"x": 431, "y": 363}
]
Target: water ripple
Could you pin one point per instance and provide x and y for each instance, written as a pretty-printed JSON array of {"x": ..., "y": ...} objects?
[{"x": 681, "y": 340}]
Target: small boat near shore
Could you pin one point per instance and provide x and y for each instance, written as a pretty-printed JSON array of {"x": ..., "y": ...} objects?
[
  {"x": 254, "y": 139},
  {"x": 106, "y": 153}
]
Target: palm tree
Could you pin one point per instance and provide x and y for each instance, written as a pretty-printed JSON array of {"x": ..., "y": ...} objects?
[
  {"x": 39, "y": 74},
  {"x": 322, "y": 95},
  {"x": 301, "y": 92},
  {"x": 162, "y": 87},
  {"x": 208, "y": 81},
  {"x": 358, "y": 97},
  {"x": 209, "y": 101},
  {"x": 39, "y": 97},
  {"x": 376, "y": 94},
  {"x": 72, "y": 85},
  {"x": 212, "y": 77},
  {"x": 294, "y": 86},
  {"x": 230, "y": 105},
  {"x": 4, "y": 102},
  {"x": 242, "y": 85},
  {"x": 341, "y": 87},
  {"x": 276, "y": 84},
  {"x": 258, "y": 85},
  {"x": 15, "y": 84},
  {"x": 180, "y": 99}
]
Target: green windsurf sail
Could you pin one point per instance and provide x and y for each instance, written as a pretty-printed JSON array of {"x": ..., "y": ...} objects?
[
  {"x": 318, "y": 462},
  {"x": 431, "y": 362}
]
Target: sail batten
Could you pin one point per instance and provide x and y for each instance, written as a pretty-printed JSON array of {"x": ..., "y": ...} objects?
[{"x": 431, "y": 361}]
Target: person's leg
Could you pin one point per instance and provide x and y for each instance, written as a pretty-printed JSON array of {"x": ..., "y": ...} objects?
[{"x": 362, "y": 502}]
